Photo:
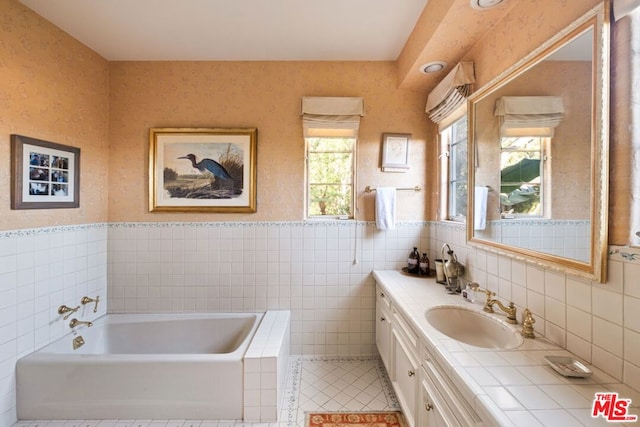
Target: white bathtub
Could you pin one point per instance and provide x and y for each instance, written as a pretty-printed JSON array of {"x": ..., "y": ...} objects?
[{"x": 183, "y": 366}]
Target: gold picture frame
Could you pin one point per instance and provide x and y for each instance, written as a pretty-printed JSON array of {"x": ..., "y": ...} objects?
[{"x": 202, "y": 170}]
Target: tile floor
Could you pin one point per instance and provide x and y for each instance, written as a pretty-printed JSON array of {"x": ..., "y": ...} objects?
[{"x": 313, "y": 384}]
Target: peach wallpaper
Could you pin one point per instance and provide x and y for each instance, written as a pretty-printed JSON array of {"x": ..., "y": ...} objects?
[
  {"x": 56, "y": 89},
  {"x": 522, "y": 29},
  {"x": 264, "y": 95}
]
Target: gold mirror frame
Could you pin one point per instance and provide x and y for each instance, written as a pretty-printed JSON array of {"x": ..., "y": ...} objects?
[{"x": 596, "y": 19}]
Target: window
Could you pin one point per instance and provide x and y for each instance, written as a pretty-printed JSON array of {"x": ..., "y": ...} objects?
[
  {"x": 330, "y": 176},
  {"x": 454, "y": 171},
  {"x": 522, "y": 176},
  {"x": 330, "y": 126}
]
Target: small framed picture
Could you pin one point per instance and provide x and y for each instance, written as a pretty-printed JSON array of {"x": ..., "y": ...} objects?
[
  {"x": 395, "y": 152},
  {"x": 44, "y": 175},
  {"x": 202, "y": 170}
]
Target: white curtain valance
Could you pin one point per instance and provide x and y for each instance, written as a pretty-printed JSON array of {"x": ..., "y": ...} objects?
[
  {"x": 529, "y": 115},
  {"x": 622, "y": 8},
  {"x": 331, "y": 116},
  {"x": 451, "y": 92}
]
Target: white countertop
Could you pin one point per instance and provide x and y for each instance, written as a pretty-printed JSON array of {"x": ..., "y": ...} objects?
[{"x": 505, "y": 387}]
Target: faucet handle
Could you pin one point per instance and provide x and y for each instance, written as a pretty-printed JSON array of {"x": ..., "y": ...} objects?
[
  {"x": 486, "y": 291},
  {"x": 64, "y": 309},
  {"x": 87, "y": 300},
  {"x": 527, "y": 324}
]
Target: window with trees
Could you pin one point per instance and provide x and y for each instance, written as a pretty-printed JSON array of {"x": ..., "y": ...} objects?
[
  {"x": 330, "y": 176},
  {"x": 454, "y": 171}
]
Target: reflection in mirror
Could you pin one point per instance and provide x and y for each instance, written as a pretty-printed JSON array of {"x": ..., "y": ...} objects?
[{"x": 538, "y": 157}]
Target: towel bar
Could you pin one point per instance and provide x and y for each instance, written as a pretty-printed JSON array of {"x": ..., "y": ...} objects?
[{"x": 370, "y": 189}]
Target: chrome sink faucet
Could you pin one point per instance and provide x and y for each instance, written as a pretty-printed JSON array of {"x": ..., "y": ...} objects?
[{"x": 490, "y": 302}]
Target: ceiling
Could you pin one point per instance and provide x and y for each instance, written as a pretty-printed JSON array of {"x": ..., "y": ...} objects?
[{"x": 241, "y": 30}]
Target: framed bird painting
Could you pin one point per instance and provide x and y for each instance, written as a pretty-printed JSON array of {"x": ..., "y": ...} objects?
[{"x": 202, "y": 170}]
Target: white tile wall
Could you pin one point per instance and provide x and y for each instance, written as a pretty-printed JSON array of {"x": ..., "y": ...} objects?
[
  {"x": 307, "y": 268},
  {"x": 598, "y": 322},
  {"x": 321, "y": 271},
  {"x": 40, "y": 270}
]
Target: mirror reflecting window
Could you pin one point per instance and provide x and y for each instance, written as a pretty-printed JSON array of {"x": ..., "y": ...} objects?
[
  {"x": 522, "y": 165},
  {"x": 538, "y": 143}
]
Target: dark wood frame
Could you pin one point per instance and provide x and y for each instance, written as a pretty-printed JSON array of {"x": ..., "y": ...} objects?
[{"x": 20, "y": 179}]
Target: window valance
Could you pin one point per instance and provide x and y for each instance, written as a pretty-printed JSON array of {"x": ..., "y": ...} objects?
[
  {"x": 331, "y": 116},
  {"x": 529, "y": 115},
  {"x": 451, "y": 92}
]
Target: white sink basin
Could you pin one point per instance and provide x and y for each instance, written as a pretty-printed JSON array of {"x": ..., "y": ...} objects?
[{"x": 473, "y": 327}]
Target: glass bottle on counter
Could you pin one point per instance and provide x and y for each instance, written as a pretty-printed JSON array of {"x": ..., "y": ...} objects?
[
  {"x": 424, "y": 265},
  {"x": 413, "y": 262}
]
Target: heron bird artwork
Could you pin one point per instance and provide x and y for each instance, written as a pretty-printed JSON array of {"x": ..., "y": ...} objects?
[
  {"x": 215, "y": 181},
  {"x": 208, "y": 165}
]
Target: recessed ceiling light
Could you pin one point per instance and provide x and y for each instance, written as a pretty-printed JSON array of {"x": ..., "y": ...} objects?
[
  {"x": 433, "y": 67},
  {"x": 484, "y": 4}
]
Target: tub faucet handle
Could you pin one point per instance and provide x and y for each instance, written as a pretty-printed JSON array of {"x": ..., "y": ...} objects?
[
  {"x": 64, "y": 309},
  {"x": 87, "y": 300}
]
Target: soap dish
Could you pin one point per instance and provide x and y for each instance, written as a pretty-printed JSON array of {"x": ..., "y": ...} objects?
[{"x": 568, "y": 366}]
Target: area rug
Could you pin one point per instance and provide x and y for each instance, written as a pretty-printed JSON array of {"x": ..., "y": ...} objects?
[{"x": 355, "y": 419}]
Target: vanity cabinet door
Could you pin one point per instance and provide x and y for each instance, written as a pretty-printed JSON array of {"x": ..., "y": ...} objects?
[
  {"x": 441, "y": 403},
  {"x": 383, "y": 334},
  {"x": 429, "y": 410},
  {"x": 404, "y": 377}
]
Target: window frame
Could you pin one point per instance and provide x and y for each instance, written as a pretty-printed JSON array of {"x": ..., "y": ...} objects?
[{"x": 447, "y": 163}]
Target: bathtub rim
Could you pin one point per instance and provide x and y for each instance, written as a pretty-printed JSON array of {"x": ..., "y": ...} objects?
[{"x": 119, "y": 318}]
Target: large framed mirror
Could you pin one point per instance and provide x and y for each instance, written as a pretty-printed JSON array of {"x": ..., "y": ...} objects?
[{"x": 538, "y": 153}]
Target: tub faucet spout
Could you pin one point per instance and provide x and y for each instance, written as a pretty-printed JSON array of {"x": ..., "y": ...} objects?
[{"x": 75, "y": 322}]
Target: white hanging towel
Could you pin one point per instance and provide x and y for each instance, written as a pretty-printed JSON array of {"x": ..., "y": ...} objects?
[
  {"x": 480, "y": 208},
  {"x": 386, "y": 208}
]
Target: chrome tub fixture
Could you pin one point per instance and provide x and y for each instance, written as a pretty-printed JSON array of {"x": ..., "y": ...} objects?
[{"x": 87, "y": 300}]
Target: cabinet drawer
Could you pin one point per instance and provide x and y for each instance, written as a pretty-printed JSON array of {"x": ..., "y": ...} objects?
[{"x": 382, "y": 298}]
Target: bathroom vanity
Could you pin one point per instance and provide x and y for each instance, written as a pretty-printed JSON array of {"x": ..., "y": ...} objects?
[{"x": 442, "y": 381}]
